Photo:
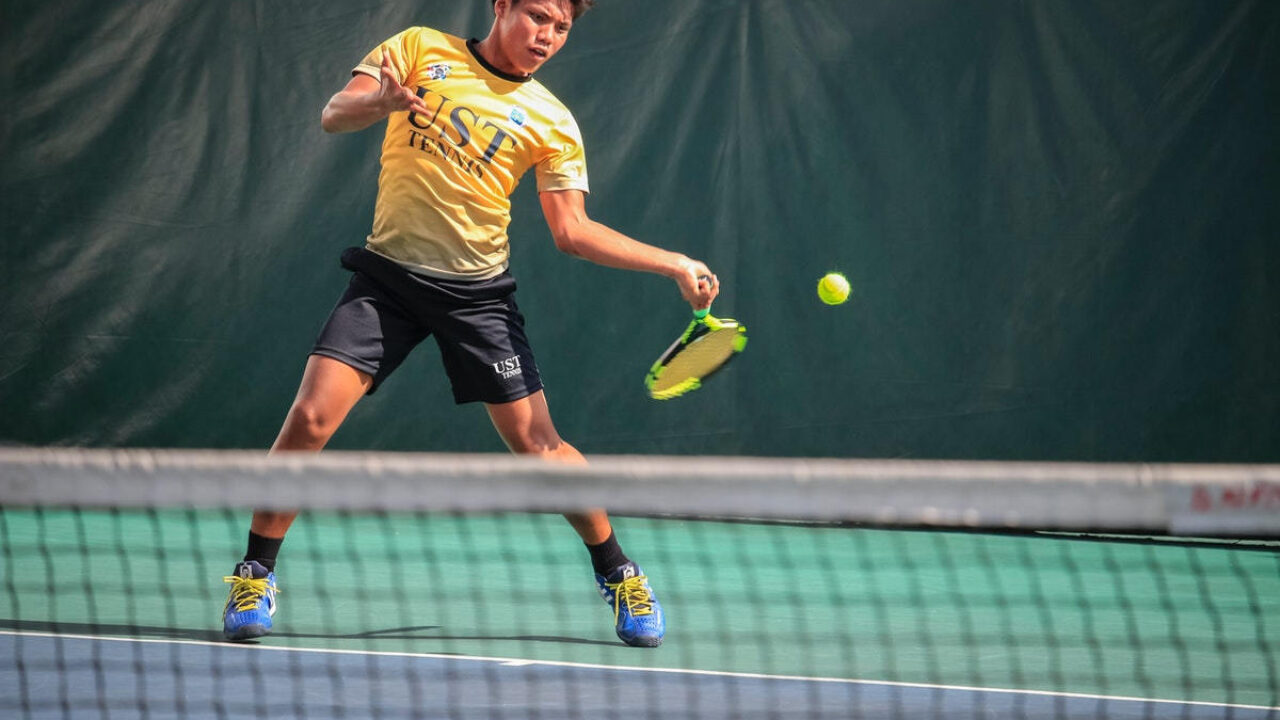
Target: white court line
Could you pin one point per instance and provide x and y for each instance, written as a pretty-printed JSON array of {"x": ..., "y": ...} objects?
[{"x": 522, "y": 662}]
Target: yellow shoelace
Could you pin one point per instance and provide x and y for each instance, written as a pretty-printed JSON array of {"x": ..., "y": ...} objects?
[
  {"x": 633, "y": 592},
  {"x": 245, "y": 592}
]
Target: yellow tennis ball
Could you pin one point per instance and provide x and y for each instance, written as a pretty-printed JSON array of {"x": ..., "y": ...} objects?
[{"x": 833, "y": 288}]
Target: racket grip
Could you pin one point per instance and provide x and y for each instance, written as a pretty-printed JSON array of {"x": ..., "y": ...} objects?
[{"x": 700, "y": 314}]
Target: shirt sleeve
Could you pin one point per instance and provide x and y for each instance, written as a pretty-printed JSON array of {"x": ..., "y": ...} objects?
[
  {"x": 403, "y": 48},
  {"x": 564, "y": 165}
]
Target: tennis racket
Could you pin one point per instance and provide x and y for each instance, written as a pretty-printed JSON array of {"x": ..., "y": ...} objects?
[{"x": 706, "y": 345}]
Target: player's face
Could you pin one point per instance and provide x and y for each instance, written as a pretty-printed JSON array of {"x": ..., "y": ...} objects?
[{"x": 530, "y": 32}]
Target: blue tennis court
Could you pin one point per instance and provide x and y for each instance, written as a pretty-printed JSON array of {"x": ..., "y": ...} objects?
[{"x": 194, "y": 679}]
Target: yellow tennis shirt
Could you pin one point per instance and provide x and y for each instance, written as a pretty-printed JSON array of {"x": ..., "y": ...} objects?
[{"x": 447, "y": 176}]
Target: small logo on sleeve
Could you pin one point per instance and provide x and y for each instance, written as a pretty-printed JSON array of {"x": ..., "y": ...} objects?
[{"x": 438, "y": 71}]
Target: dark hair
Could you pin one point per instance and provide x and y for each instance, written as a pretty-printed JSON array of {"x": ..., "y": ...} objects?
[{"x": 579, "y": 6}]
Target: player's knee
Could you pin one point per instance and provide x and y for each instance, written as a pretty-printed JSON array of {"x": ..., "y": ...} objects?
[
  {"x": 549, "y": 447},
  {"x": 535, "y": 443},
  {"x": 312, "y": 421},
  {"x": 535, "y": 439}
]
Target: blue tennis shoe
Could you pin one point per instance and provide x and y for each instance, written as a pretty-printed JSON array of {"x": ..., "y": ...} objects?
[
  {"x": 636, "y": 611},
  {"x": 251, "y": 604}
]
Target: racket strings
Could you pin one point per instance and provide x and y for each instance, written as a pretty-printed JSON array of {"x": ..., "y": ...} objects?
[{"x": 707, "y": 351}]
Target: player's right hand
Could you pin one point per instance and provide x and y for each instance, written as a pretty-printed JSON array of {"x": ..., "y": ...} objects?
[
  {"x": 394, "y": 97},
  {"x": 698, "y": 285}
]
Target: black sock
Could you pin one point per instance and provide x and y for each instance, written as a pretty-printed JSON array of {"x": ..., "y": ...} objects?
[
  {"x": 264, "y": 550},
  {"x": 607, "y": 555}
]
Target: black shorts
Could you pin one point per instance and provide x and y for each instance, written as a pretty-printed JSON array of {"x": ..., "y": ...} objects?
[{"x": 387, "y": 310}]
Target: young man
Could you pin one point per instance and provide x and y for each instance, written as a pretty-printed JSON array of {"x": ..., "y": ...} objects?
[{"x": 465, "y": 120}]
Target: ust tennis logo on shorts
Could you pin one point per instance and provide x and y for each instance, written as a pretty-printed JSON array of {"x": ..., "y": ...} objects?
[{"x": 508, "y": 368}]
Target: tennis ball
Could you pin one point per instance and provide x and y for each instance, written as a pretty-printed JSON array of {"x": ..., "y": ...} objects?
[{"x": 833, "y": 288}]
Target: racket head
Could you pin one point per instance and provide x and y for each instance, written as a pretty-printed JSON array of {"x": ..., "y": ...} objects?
[{"x": 707, "y": 345}]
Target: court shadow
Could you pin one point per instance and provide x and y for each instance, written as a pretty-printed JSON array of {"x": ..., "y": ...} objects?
[
  {"x": 111, "y": 630},
  {"x": 417, "y": 632},
  {"x": 423, "y": 632}
]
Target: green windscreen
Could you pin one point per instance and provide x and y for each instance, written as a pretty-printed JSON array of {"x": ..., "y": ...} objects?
[{"x": 1058, "y": 219}]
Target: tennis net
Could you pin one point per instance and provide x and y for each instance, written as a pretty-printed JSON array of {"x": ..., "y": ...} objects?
[{"x": 446, "y": 586}]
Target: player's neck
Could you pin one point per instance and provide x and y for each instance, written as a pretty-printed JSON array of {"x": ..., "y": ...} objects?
[{"x": 490, "y": 50}]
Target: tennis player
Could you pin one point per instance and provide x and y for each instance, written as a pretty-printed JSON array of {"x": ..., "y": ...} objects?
[{"x": 465, "y": 120}]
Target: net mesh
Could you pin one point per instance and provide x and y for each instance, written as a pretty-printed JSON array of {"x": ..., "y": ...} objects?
[{"x": 415, "y": 598}]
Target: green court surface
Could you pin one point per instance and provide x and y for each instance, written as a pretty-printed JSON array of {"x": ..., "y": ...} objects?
[{"x": 1181, "y": 621}]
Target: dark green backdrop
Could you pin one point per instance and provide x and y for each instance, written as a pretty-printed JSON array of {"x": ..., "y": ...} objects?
[{"x": 1059, "y": 219}]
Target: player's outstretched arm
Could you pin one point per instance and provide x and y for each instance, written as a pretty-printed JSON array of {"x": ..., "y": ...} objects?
[
  {"x": 365, "y": 101},
  {"x": 580, "y": 236}
]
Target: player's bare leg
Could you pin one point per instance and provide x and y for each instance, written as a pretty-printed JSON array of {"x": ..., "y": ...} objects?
[
  {"x": 525, "y": 426},
  {"x": 328, "y": 391}
]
